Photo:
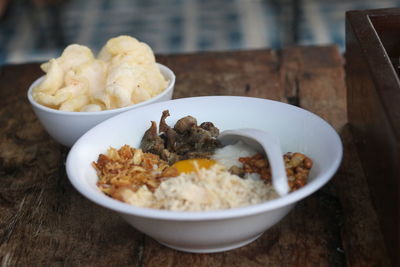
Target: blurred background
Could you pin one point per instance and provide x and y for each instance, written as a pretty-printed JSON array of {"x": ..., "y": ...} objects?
[{"x": 36, "y": 30}]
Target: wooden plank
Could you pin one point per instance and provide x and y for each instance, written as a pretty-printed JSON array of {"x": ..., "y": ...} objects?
[
  {"x": 15, "y": 80},
  {"x": 251, "y": 73},
  {"x": 362, "y": 239},
  {"x": 374, "y": 112},
  {"x": 44, "y": 221},
  {"x": 316, "y": 77},
  {"x": 321, "y": 89}
]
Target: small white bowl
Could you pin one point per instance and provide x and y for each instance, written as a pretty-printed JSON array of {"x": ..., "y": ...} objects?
[
  {"x": 211, "y": 231},
  {"x": 66, "y": 127}
]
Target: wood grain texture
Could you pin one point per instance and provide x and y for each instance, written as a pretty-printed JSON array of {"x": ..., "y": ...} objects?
[
  {"x": 374, "y": 112},
  {"x": 44, "y": 221},
  {"x": 243, "y": 73},
  {"x": 358, "y": 234}
]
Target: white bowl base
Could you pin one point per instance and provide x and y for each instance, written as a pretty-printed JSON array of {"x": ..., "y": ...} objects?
[{"x": 214, "y": 249}]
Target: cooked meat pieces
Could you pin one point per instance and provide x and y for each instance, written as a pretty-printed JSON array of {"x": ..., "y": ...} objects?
[
  {"x": 185, "y": 124},
  {"x": 202, "y": 140},
  {"x": 163, "y": 125},
  {"x": 168, "y": 134},
  {"x": 151, "y": 141},
  {"x": 209, "y": 126},
  {"x": 170, "y": 139},
  {"x": 185, "y": 140}
]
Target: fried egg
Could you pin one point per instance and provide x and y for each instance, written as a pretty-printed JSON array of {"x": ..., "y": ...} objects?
[
  {"x": 227, "y": 156},
  {"x": 191, "y": 165}
]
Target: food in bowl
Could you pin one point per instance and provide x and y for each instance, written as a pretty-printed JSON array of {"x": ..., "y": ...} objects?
[
  {"x": 217, "y": 230},
  {"x": 185, "y": 168},
  {"x": 124, "y": 73}
]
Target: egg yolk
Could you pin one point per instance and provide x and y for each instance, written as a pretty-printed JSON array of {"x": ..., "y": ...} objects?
[{"x": 191, "y": 165}]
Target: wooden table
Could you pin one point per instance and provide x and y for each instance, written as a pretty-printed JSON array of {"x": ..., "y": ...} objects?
[{"x": 45, "y": 221}]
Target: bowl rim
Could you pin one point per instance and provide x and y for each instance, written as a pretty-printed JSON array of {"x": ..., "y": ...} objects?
[
  {"x": 280, "y": 202},
  {"x": 165, "y": 71}
]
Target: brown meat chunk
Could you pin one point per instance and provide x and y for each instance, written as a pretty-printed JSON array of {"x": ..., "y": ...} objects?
[
  {"x": 209, "y": 126},
  {"x": 163, "y": 125},
  {"x": 184, "y": 141},
  {"x": 202, "y": 140},
  {"x": 171, "y": 140},
  {"x": 185, "y": 124},
  {"x": 169, "y": 134},
  {"x": 151, "y": 141}
]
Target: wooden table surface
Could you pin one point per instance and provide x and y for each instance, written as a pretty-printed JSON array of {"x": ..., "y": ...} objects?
[{"x": 44, "y": 221}]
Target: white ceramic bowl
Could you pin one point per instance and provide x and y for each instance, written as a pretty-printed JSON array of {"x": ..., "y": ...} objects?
[
  {"x": 66, "y": 127},
  {"x": 211, "y": 231}
]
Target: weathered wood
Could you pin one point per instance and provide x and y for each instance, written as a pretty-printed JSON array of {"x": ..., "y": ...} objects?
[
  {"x": 318, "y": 77},
  {"x": 44, "y": 221},
  {"x": 358, "y": 235},
  {"x": 374, "y": 112},
  {"x": 244, "y": 73}
]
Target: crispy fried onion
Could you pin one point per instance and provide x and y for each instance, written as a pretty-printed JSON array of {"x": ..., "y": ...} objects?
[{"x": 130, "y": 168}]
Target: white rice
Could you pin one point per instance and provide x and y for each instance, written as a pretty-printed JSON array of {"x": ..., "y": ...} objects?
[{"x": 205, "y": 189}]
